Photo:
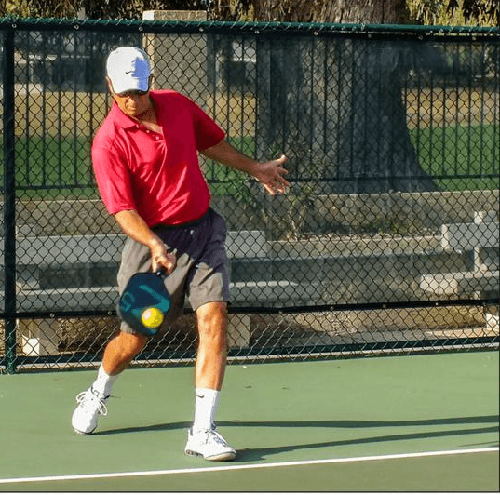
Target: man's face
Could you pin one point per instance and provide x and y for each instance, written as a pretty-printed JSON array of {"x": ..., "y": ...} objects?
[{"x": 132, "y": 103}]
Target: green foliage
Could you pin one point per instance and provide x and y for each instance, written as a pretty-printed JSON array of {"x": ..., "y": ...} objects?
[
  {"x": 454, "y": 12},
  {"x": 463, "y": 158},
  {"x": 232, "y": 182},
  {"x": 110, "y": 9},
  {"x": 47, "y": 166},
  {"x": 429, "y": 12}
]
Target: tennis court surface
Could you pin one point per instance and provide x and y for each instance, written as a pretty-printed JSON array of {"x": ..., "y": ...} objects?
[{"x": 392, "y": 423}]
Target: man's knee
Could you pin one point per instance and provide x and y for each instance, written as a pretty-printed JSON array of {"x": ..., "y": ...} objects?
[
  {"x": 212, "y": 313},
  {"x": 130, "y": 344},
  {"x": 212, "y": 321}
]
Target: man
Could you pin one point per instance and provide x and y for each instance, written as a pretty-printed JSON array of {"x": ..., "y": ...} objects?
[{"x": 145, "y": 159}]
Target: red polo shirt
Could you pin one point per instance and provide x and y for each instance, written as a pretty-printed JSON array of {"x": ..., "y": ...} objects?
[{"x": 157, "y": 174}]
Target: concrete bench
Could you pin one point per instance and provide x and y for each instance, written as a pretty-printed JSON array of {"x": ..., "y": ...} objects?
[
  {"x": 55, "y": 276},
  {"x": 474, "y": 237},
  {"x": 55, "y": 250},
  {"x": 38, "y": 337},
  {"x": 259, "y": 274},
  {"x": 35, "y": 250}
]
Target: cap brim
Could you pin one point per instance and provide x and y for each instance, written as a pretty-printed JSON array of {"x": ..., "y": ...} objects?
[{"x": 130, "y": 84}]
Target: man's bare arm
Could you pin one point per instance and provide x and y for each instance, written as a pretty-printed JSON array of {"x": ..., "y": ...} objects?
[
  {"x": 270, "y": 173},
  {"x": 135, "y": 227}
]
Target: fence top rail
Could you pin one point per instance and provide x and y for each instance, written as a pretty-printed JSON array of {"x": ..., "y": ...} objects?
[{"x": 218, "y": 27}]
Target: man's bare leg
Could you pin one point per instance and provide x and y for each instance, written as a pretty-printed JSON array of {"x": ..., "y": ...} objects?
[
  {"x": 203, "y": 439},
  {"x": 212, "y": 349},
  {"x": 120, "y": 351},
  {"x": 91, "y": 403}
]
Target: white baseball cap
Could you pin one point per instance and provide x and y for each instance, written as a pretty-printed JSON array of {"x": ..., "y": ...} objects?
[{"x": 128, "y": 68}]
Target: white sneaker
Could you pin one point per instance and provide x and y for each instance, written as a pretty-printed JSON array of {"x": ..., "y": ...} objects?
[
  {"x": 208, "y": 444},
  {"x": 86, "y": 414}
]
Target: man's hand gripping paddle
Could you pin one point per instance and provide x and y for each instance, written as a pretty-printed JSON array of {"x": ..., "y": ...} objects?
[{"x": 145, "y": 302}]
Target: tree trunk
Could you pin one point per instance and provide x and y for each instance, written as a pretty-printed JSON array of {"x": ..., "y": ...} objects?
[
  {"x": 334, "y": 105},
  {"x": 338, "y": 11}
]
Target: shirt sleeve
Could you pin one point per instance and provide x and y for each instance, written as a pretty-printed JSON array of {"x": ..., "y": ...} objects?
[
  {"x": 207, "y": 132},
  {"x": 112, "y": 177}
]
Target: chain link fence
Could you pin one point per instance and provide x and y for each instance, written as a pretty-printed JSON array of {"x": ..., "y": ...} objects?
[{"x": 387, "y": 241}]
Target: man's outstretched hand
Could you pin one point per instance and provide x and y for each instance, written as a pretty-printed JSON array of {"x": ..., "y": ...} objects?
[{"x": 271, "y": 174}]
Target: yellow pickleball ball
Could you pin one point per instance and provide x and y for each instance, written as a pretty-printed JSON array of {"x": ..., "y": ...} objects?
[{"x": 152, "y": 318}]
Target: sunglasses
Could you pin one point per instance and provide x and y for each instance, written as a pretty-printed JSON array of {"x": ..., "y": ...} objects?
[{"x": 132, "y": 92}]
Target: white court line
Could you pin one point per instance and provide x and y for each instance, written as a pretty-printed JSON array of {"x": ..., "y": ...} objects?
[{"x": 236, "y": 467}]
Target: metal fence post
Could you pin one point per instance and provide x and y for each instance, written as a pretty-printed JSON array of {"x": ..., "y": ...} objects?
[
  {"x": 175, "y": 63},
  {"x": 9, "y": 201}
]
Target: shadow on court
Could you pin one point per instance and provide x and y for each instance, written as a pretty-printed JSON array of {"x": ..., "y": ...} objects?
[
  {"x": 258, "y": 454},
  {"x": 309, "y": 424}
]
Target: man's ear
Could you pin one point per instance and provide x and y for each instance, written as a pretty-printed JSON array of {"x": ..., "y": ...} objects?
[{"x": 110, "y": 85}]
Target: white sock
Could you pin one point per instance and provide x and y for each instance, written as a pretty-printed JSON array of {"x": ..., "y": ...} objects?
[
  {"x": 104, "y": 382},
  {"x": 207, "y": 402}
]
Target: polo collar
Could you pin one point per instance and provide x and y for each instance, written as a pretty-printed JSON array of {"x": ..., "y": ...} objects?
[{"x": 122, "y": 119}]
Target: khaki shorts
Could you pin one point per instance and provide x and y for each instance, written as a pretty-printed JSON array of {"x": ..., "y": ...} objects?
[{"x": 201, "y": 273}]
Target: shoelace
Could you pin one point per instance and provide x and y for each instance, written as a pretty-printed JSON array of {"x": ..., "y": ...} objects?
[
  {"x": 216, "y": 437},
  {"x": 87, "y": 400}
]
